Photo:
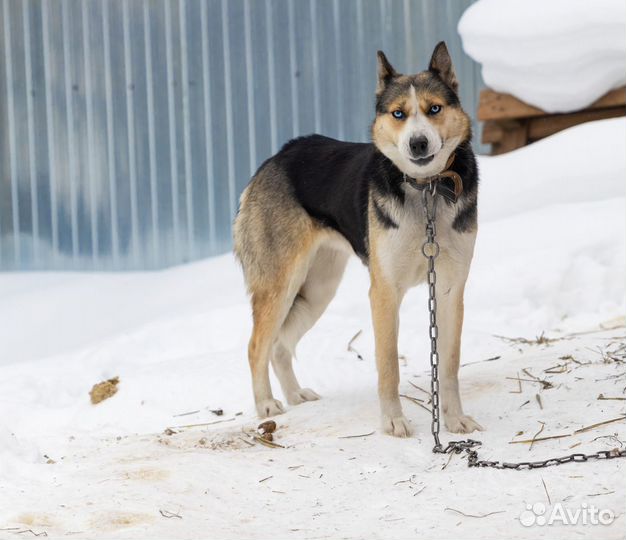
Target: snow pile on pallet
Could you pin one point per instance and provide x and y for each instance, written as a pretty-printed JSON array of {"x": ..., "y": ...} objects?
[
  {"x": 550, "y": 258},
  {"x": 559, "y": 55}
]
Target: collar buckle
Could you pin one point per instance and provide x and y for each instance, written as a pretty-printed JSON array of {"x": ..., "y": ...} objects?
[{"x": 447, "y": 183}]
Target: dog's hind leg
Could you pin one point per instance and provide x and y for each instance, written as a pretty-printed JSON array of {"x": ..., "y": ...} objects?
[
  {"x": 317, "y": 291},
  {"x": 276, "y": 242},
  {"x": 269, "y": 309},
  {"x": 270, "y": 306},
  {"x": 294, "y": 393},
  {"x": 267, "y": 312}
]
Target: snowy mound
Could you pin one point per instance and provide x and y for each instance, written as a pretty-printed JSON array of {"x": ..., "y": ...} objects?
[
  {"x": 560, "y": 55},
  {"x": 582, "y": 163}
]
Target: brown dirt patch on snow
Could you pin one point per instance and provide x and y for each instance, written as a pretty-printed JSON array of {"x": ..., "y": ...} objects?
[{"x": 103, "y": 390}]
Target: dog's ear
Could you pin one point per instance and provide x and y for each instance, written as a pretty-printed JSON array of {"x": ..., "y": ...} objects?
[
  {"x": 441, "y": 64},
  {"x": 385, "y": 72}
]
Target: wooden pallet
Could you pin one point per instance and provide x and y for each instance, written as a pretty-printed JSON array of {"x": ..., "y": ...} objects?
[{"x": 510, "y": 123}]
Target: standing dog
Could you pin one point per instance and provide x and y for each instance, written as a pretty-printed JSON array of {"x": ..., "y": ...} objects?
[{"x": 319, "y": 200}]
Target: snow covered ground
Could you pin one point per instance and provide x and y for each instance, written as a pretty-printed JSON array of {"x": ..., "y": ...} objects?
[
  {"x": 559, "y": 55},
  {"x": 550, "y": 258}
]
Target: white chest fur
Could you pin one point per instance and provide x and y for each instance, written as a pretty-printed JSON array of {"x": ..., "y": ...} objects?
[{"x": 399, "y": 250}]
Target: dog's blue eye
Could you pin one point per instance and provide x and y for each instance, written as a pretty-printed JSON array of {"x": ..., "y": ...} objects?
[
  {"x": 398, "y": 114},
  {"x": 434, "y": 109}
]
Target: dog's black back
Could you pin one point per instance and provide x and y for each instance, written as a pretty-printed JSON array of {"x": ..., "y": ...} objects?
[{"x": 332, "y": 180}]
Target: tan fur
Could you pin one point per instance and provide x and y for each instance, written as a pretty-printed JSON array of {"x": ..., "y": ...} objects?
[
  {"x": 452, "y": 123},
  {"x": 291, "y": 276},
  {"x": 386, "y": 130},
  {"x": 385, "y": 299},
  {"x": 293, "y": 266}
]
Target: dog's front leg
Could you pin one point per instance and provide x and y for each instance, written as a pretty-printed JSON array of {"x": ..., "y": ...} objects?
[
  {"x": 450, "y": 289},
  {"x": 385, "y": 303}
]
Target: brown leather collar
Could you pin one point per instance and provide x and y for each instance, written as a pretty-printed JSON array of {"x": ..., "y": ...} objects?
[{"x": 449, "y": 183}]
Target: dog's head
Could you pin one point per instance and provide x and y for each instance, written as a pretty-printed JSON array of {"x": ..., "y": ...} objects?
[{"x": 419, "y": 120}]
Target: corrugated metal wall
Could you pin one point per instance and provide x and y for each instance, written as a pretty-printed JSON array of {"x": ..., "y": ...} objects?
[{"x": 129, "y": 128}]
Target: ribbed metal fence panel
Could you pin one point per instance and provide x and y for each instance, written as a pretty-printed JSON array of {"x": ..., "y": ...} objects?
[{"x": 128, "y": 128}]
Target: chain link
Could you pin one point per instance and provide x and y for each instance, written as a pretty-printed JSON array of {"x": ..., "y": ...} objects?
[{"x": 430, "y": 250}]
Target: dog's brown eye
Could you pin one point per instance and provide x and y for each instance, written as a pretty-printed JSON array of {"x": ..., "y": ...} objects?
[
  {"x": 434, "y": 109},
  {"x": 399, "y": 115}
]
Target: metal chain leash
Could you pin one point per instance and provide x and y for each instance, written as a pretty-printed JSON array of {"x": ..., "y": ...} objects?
[{"x": 430, "y": 250}]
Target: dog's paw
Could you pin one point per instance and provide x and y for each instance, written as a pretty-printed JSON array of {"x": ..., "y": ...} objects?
[
  {"x": 461, "y": 424},
  {"x": 398, "y": 426},
  {"x": 301, "y": 395},
  {"x": 269, "y": 407}
]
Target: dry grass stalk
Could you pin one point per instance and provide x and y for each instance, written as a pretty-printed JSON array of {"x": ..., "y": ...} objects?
[
  {"x": 421, "y": 390},
  {"x": 543, "y": 425},
  {"x": 539, "y": 340},
  {"x": 351, "y": 348},
  {"x": 356, "y": 436},
  {"x": 474, "y": 515},
  {"x": 546, "y": 384},
  {"x": 247, "y": 442},
  {"x": 546, "y": 490},
  {"x": 265, "y": 442},
  {"x": 593, "y": 426},
  {"x": 202, "y": 424},
  {"x": 185, "y": 413},
  {"x": 581, "y": 430},
  {"x": 417, "y": 402},
  {"x": 538, "y": 398},
  {"x": 539, "y": 439},
  {"x": 42, "y": 533},
  {"x": 556, "y": 369},
  {"x": 167, "y": 514}
]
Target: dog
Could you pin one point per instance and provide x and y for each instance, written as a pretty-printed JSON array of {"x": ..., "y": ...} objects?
[{"x": 319, "y": 200}]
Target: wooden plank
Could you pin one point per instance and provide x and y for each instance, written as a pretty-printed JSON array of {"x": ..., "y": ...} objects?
[
  {"x": 543, "y": 126},
  {"x": 492, "y": 132},
  {"x": 494, "y": 105},
  {"x": 514, "y": 135}
]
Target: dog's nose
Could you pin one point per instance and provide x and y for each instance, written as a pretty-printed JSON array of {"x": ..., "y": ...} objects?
[{"x": 419, "y": 146}]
